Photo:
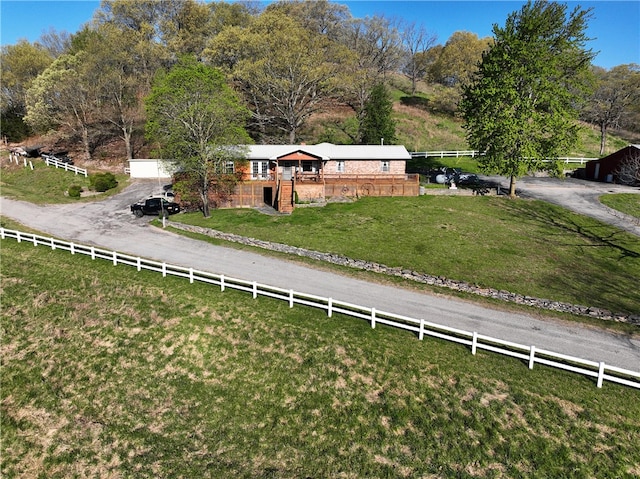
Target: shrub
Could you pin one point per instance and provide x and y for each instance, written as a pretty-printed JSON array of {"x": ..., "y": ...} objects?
[
  {"x": 75, "y": 191},
  {"x": 103, "y": 181}
]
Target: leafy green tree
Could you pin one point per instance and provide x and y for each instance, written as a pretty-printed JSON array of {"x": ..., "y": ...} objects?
[
  {"x": 198, "y": 121},
  {"x": 284, "y": 71},
  {"x": 377, "y": 125},
  {"x": 520, "y": 108},
  {"x": 616, "y": 94},
  {"x": 459, "y": 58},
  {"x": 64, "y": 96},
  {"x": 20, "y": 65}
]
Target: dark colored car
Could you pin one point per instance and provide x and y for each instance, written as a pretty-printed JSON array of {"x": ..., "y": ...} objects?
[{"x": 155, "y": 206}]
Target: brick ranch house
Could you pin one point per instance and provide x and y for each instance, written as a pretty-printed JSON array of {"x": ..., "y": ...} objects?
[{"x": 278, "y": 175}]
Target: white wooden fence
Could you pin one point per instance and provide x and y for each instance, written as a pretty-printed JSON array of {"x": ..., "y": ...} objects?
[
  {"x": 474, "y": 153},
  {"x": 50, "y": 161},
  {"x": 475, "y": 341}
]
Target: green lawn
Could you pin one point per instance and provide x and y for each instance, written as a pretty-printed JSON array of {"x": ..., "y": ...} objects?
[
  {"x": 152, "y": 377},
  {"x": 46, "y": 184},
  {"x": 628, "y": 203},
  {"x": 528, "y": 247}
]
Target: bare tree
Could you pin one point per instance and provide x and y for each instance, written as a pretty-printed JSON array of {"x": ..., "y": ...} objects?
[
  {"x": 416, "y": 41},
  {"x": 628, "y": 173}
]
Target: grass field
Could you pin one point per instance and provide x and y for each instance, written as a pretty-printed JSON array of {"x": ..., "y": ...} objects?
[
  {"x": 528, "y": 247},
  {"x": 46, "y": 184},
  {"x": 152, "y": 377},
  {"x": 628, "y": 203}
]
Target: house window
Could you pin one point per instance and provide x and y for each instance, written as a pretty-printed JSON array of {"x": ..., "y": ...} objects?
[
  {"x": 307, "y": 166},
  {"x": 229, "y": 167},
  {"x": 259, "y": 170},
  {"x": 385, "y": 166},
  {"x": 340, "y": 166}
]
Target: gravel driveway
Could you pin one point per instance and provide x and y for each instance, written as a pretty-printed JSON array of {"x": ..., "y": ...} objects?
[{"x": 111, "y": 225}]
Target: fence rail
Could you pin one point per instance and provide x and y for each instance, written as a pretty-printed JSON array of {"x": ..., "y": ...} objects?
[
  {"x": 420, "y": 327},
  {"x": 475, "y": 153},
  {"x": 49, "y": 161}
]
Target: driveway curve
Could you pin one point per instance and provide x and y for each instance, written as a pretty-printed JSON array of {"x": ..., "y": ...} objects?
[
  {"x": 576, "y": 195},
  {"x": 110, "y": 224}
]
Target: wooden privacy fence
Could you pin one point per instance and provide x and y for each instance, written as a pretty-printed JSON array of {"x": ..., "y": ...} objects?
[{"x": 475, "y": 341}]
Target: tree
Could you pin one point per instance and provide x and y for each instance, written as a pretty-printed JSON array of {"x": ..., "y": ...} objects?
[
  {"x": 122, "y": 80},
  {"x": 20, "y": 65},
  {"x": 628, "y": 173},
  {"x": 520, "y": 107},
  {"x": 198, "y": 121},
  {"x": 459, "y": 58},
  {"x": 416, "y": 41},
  {"x": 617, "y": 90},
  {"x": 377, "y": 125},
  {"x": 284, "y": 71},
  {"x": 64, "y": 96}
]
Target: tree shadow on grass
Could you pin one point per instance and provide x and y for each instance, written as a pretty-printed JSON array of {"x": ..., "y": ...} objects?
[{"x": 609, "y": 277}]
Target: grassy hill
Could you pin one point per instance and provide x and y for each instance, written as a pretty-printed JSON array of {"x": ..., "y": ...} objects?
[
  {"x": 423, "y": 123},
  {"x": 155, "y": 377}
]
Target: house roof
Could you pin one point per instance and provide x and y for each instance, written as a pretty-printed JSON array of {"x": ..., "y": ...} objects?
[
  {"x": 616, "y": 155},
  {"x": 329, "y": 151}
]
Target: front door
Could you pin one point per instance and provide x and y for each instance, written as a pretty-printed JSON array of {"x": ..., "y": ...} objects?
[{"x": 287, "y": 171}]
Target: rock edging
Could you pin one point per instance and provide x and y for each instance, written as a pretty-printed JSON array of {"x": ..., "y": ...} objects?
[{"x": 410, "y": 275}]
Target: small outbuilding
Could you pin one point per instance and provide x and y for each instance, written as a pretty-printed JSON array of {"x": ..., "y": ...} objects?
[
  {"x": 606, "y": 168},
  {"x": 150, "y": 168}
]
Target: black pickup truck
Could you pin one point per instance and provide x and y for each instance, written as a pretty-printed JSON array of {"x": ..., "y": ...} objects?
[{"x": 155, "y": 206}]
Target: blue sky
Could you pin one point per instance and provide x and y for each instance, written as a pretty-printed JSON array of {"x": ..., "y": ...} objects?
[{"x": 615, "y": 26}]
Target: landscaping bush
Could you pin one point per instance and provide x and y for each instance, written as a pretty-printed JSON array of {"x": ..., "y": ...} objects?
[
  {"x": 75, "y": 191},
  {"x": 102, "y": 182}
]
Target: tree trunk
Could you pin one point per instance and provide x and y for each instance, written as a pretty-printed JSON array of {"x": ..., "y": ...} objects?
[
  {"x": 292, "y": 136},
  {"x": 85, "y": 142},
  {"x": 512, "y": 187},
  {"x": 204, "y": 196},
  {"x": 603, "y": 137}
]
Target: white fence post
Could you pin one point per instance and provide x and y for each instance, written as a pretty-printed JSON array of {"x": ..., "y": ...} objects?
[
  {"x": 329, "y": 307},
  {"x": 222, "y": 282},
  {"x": 255, "y": 289},
  {"x": 191, "y": 275},
  {"x": 600, "y": 374},
  {"x": 115, "y": 258},
  {"x": 35, "y": 241},
  {"x": 532, "y": 357},
  {"x": 474, "y": 343},
  {"x": 53, "y": 244},
  {"x": 164, "y": 269},
  {"x": 72, "y": 249},
  {"x": 373, "y": 318},
  {"x": 139, "y": 264},
  {"x": 18, "y": 237},
  {"x": 93, "y": 253},
  {"x": 291, "y": 298},
  {"x": 421, "y": 333}
]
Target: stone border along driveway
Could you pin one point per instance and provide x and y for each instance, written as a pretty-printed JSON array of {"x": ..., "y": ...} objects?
[{"x": 414, "y": 276}]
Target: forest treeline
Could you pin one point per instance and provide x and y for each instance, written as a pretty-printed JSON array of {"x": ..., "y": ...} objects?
[{"x": 286, "y": 61}]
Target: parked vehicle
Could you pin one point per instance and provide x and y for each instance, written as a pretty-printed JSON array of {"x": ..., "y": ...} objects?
[
  {"x": 59, "y": 156},
  {"x": 447, "y": 176},
  {"x": 155, "y": 206}
]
